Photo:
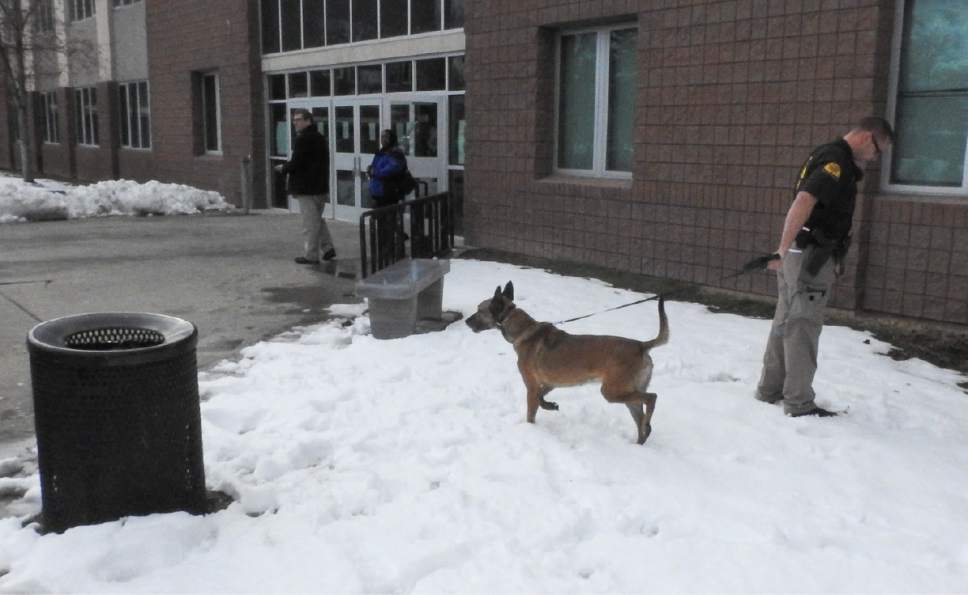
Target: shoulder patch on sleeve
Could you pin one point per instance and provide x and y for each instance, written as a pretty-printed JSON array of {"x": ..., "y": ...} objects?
[{"x": 833, "y": 169}]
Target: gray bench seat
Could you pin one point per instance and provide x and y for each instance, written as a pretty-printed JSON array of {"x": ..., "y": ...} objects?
[{"x": 402, "y": 293}]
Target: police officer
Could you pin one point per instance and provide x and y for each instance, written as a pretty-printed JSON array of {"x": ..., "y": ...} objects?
[{"x": 815, "y": 239}]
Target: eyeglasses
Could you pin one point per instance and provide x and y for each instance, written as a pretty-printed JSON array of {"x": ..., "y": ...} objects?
[{"x": 295, "y": 118}]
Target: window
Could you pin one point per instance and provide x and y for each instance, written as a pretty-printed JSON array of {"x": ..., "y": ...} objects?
[
  {"x": 135, "y": 115},
  {"x": 455, "y": 74},
  {"x": 298, "y": 84},
  {"x": 364, "y": 20},
  {"x": 453, "y": 14},
  {"x": 81, "y": 9},
  {"x": 595, "y": 102},
  {"x": 314, "y": 35},
  {"x": 290, "y": 25},
  {"x": 337, "y": 21},
  {"x": 455, "y": 107},
  {"x": 431, "y": 74},
  {"x": 118, "y": 3},
  {"x": 424, "y": 16},
  {"x": 393, "y": 18},
  {"x": 211, "y": 113},
  {"x": 369, "y": 79},
  {"x": 931, "y": 101},
  {"x": 51, "y": 125},
  {"x": 270, "y": 26},
  {"x": 399, "y": 77},
  {"x": 319, "y": 83},
  {"x": 85, "y": 115},
  {"x": 344, "y": 81},
  {"x": 291, "y": 28}
]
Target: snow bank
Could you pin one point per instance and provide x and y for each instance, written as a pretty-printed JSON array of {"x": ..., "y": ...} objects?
[
  {"x": 25, "y": 202},
  {"x": 406, "y": 466}
]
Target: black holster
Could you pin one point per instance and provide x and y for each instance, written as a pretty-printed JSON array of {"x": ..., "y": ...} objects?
[{"x": 823, "y": 249}]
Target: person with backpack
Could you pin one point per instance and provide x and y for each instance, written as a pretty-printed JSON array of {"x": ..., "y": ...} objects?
[
  {"x": 388, "y": 171},
  {"x": 813, "y": 244},
  {"x": 390, "y": 182}
]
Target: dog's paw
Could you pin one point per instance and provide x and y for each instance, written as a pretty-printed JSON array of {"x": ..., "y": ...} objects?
[
  {"x": 549, "y": 405},
  {"x": 644, "y": 433}
]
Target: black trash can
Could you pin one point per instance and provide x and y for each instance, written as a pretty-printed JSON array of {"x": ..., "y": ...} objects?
[{"x": 117, "y": 417}]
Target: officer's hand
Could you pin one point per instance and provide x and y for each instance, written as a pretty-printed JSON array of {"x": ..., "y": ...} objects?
[
  {"x": 774, "y": 265},
  {"x": 761, "y": 263}
]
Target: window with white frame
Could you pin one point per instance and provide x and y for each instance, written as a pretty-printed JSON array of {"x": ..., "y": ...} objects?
[
  {"x": 211, "y": 113},
  {"x": 80, "y": 9},
  {"x": 931, "y": 97},
  {"x": 51, "y": 125},
  {"x": 595, "y": 101},
  {"x": 289, "y": 25},
  {"x": 135, "y": 115},
  {"x": 85, "y": 115}
]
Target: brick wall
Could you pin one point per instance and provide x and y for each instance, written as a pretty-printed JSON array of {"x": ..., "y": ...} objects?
[
  {"x": 184, "y": 38},
  {"x": 732, "y": 95},
  {"x": 917, "y": 262}
]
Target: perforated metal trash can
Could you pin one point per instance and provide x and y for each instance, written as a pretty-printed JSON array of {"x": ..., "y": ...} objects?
[{"x": 117, "y": 417}]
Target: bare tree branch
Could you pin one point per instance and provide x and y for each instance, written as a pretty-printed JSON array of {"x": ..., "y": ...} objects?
[{"x": 31, "y": 40}]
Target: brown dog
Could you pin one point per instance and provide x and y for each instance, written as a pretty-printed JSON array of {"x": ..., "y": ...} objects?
[{"x": 549, "y": 358}]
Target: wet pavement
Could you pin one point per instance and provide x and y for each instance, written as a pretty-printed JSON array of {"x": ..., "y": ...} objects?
[{"x": 233, "y": 276}]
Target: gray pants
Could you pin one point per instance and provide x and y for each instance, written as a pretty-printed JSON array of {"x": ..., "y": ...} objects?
[
  {"x": 316, "y": 238},
  {"x": 790, "y": 360}
]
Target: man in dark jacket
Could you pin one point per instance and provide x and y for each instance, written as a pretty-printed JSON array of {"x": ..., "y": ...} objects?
[
  {"x": 815, "y": 238},
  {"x": 308, "y": 170}
]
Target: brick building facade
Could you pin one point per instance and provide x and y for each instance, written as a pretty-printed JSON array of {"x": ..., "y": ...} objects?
[
  {"x": 186, "y": 39},
  {"x": 184, "y": 91},
  {"x": 166, "y": 46},
  {"x": 729, "y": 98}
]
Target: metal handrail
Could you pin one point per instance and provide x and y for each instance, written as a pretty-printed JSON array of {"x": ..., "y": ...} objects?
[{"x": 430, "y": 235}]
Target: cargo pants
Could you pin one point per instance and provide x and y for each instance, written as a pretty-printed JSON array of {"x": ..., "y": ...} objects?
[{"x": 790, "y": 361}]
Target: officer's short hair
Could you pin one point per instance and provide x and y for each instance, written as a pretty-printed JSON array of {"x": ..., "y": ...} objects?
[
  {"x": 878, "y": 126},
  {"x": 305, "y": 113}
]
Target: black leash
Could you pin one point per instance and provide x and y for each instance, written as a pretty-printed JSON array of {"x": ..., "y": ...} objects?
[{"x": 757, "y": 264}]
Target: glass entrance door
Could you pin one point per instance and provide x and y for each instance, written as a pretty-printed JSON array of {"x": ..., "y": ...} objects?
[
  {"x": 356, "y": 137},
  {"x": 421, "y": 129}
]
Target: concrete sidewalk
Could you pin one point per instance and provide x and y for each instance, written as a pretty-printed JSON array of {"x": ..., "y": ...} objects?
[{"x": 231, "y": 275}]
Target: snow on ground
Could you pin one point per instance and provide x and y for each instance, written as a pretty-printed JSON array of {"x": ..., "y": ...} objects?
[
  {"x": 406, "y": 466},
  {"x": 49, "y": 199}
]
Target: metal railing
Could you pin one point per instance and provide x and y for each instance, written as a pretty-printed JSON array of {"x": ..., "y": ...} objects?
[{"x": 384, "y": 239}]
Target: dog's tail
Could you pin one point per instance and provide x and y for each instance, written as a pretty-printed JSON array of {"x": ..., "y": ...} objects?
[{"x": 663, "y": 337}]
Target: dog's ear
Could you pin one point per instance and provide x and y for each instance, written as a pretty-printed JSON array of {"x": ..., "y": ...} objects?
[
  {"x": 496, "y": 306},
  {"x": 509, "y": 291},
  {"x": 497, "y": 292}
]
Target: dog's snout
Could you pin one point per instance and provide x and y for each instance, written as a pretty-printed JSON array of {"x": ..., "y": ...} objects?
[{"x": 473, "y": 321}]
